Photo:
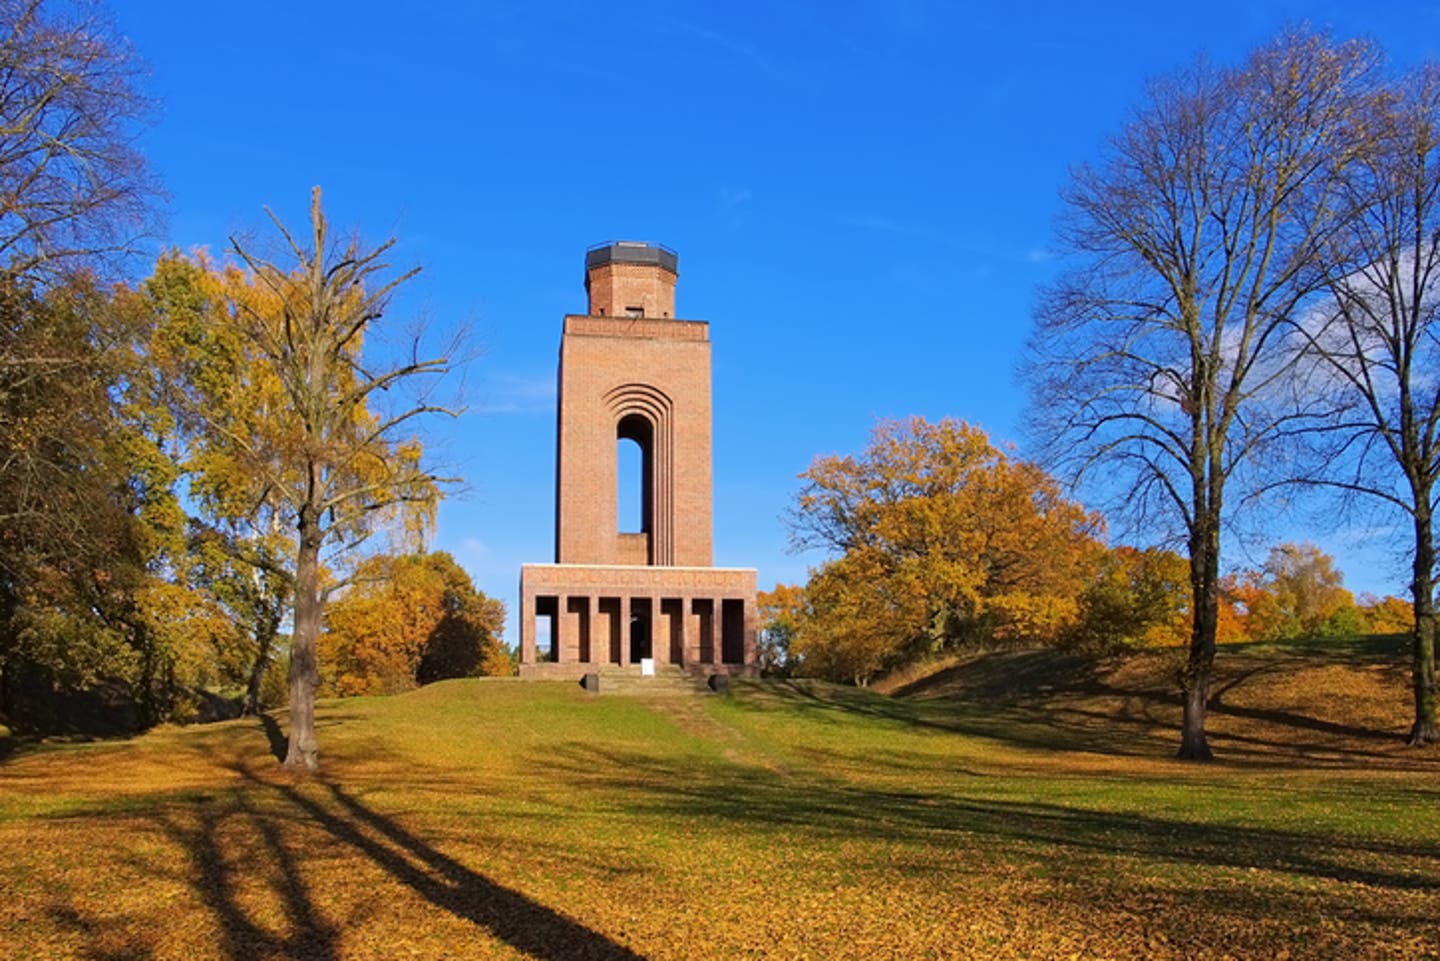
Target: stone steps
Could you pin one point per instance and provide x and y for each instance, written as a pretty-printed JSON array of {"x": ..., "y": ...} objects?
[
  {"x": 666, "y": 681},
  {"x": 628, "y": 679}
]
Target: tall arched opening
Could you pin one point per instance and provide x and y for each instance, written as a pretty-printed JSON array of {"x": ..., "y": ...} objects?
[{"x": 635, "y": 488}]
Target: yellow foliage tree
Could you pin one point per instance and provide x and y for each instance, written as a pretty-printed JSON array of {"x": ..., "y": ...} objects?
[
  {"x": 855, "y": 623},
  {"x": 1388, "y": 614},
  {"x": 287, "y": 420},
  {"x": 778, "y": 613},
  {"x": 941, "y": 538},
  {"x": 407, "y": 620}
]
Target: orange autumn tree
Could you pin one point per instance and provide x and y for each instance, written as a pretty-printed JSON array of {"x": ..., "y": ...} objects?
[
  {"x": 410, "y": 620},
  {"x": 939, "y": 538},
  {"x": 1387, "y": 615},
  {"x": 1298, "y": 594},
  {"x": 1230, "y": 610}
]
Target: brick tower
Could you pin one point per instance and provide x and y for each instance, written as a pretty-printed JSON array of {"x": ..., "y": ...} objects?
[{"x": 630, "y": 372}]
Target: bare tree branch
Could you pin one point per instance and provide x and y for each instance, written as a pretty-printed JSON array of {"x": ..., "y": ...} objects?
[{"x": 1167, "y": 354}]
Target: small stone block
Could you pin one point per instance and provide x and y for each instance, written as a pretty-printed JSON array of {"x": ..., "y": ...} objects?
[
  {"x": 719, "y": 683},
  {"x": 591, "y": 682}
]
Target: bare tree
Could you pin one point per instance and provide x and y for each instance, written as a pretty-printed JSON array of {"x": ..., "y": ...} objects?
[
  {"x": 73, "y": 188},
  {"x": 1379, "y": 340},
  {"x": 1164, "y": 357},
  {"x": 322, "y": 452}
]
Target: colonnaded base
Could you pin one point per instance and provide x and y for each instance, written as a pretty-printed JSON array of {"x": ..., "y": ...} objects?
[{"x": 576, "y": 618}]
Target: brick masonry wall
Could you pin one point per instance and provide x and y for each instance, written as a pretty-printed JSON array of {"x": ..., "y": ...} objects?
[
  {"x": 615, "y": 287},
  {"x": 597, "y": 357}
]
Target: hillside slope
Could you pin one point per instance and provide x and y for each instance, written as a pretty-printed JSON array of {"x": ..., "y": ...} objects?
[
  {"x": 1023, "y": 806},
  {"x": 1319, "y": 701}
]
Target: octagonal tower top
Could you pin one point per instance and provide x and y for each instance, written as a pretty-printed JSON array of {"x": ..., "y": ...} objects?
[{"x": 627, "y": 278}]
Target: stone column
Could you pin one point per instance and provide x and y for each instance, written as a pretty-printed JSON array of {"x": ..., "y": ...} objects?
[
  {"x": 557, "y": 629},
  {"x": 624, "y": 629},
  {"x": 717, "y": 630},
  {"x": 692, "y": 632},
  {"x": 585, "y": 638},
  {"x": 659, "y": 647},
  {"x": 527, "y": 626}
]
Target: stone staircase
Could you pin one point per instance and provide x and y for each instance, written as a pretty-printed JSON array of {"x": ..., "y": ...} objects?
[{"x": 667, "y": 681}]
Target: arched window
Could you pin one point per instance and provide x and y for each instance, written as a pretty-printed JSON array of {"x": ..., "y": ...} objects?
[{"x": 634, "y": 497}]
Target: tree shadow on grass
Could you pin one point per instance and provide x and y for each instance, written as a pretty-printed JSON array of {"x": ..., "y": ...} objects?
[
  {"x": 102, "y": 942},
  {"x": 1047, "y": 700},
  {"x": 10, "y": 746},
  {"x": 247, "y": 846},
  {"x": 1045, "y": 724},
  {"x": 1262, "y": 883},
  {"x": 446, "y": 883},
  {"x": 279, "y": 743},
  {"x": 219, "y": 883}
]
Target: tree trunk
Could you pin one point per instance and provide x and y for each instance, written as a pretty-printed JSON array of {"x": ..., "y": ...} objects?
[
  {"x": 268, "y": 630},
  {"x": 5, "y": 689},
  {"x": 1205, "y": 603},
  {"x": 303, "y": 753},
  {"x": 1425, "y": 729},
  {"x": 7, "y": 652},
  {"x": 147, "y": 692}
]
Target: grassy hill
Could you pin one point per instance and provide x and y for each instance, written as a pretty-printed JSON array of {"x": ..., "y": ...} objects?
[
  {"x": 1320, "y": 701},
  {"x": 1014, "y": 805}
]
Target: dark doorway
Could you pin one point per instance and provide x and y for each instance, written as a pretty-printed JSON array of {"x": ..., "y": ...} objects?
[
  {"x": 732, "y": 632},
  {"x": 641, "y": 629}
]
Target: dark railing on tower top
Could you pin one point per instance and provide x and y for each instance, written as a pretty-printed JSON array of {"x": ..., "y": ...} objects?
[{"x": 632, "y": 252}]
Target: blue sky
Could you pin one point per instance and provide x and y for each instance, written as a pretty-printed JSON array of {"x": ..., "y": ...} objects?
[{"x": 862, "y": 196}]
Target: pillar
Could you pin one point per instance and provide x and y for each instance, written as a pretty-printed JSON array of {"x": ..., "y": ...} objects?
[
  {"x": 752, "y": 653},
  {"x": 527, "y": 627},
  {"x": 624, "y": 629}
]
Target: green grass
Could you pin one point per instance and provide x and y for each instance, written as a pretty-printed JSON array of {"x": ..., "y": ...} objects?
[{"x": 1039, "y": 817}]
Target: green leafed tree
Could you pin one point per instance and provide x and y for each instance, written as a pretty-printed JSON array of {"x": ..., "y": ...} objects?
[
  {"x": 73, "y": 193},
  {"x": 1138, "y": 598},
  {"x": 1298, "y": 594}
]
